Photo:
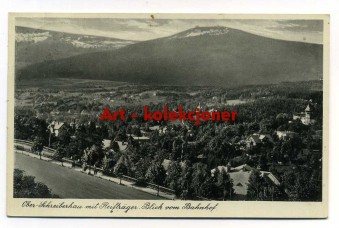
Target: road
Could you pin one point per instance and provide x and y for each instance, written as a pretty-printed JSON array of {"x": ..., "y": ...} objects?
[{"x": 68, "y": 183}]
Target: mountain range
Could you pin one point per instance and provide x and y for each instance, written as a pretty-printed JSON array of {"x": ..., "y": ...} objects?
[
  {"x": 201, "y": 56},
  {"x": 37, "y": 45}
]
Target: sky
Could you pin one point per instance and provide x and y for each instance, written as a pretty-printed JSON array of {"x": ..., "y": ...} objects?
[{"x": 310, "y": 31}]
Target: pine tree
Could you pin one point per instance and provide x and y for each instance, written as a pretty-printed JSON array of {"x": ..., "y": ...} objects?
[{"x": 255, "y": 183}]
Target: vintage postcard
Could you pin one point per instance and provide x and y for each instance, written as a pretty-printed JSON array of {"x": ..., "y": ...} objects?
[{"x": 168, "y": 115}]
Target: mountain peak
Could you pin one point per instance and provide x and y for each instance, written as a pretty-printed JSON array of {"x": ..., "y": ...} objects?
[
  {"x": 200, "y": 56},
  {"x": 202, "y": 31}
]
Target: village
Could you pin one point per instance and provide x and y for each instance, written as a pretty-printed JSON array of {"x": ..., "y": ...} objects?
[{"x": 215, "y": 160}]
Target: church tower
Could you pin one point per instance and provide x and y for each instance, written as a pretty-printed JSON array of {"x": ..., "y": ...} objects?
[
  {"x": 308, "y": 111},
  {"x": 307, "y": 119}
]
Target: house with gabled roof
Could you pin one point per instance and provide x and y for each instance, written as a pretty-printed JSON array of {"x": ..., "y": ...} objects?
[
  {"x": 240, "y": 176},
  {"x": 55, "y": 126},
  {"x": 119, "y": 144}
]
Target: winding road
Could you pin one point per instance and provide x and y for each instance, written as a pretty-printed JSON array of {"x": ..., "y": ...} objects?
[{"x": 68, "y": 183}]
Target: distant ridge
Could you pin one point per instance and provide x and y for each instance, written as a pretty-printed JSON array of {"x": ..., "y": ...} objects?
[
  {"x": 38, "y": 45},
  {"x": 201, "y": 56}
]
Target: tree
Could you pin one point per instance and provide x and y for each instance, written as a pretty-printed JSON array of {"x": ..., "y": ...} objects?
[
  {"x": 140, "y": 169},
  {"x": 156, "y": 174},
  {"x": 22, "y": 129},
  {"x": 103, "y": 131},
  {"x": 200, "y": 173},
  {"x": 26, "y": 187},
  {"x": 136, "y": 132},
  {"x": 173, "y": 177},
  {"x": 81, "y": 138},
  {"x": 38, "y": 145},
  {"x": 39, "y": 127},
  {"x": 72, "y": 149},
  {"x": 121, "y": 135},
  {"x": 265, "y": 126},
  {"x": 208, "y": 188},
  {"x": 281, "y": 119},
  {"x": 286, "y": 150},
  {"x": 107, "y": 164},
  {"x": 255, "y": 186},
  {"x": 253, "y": 127},
  {"x": 263, "y": 162},
  {"x": 124, "y": 161},
  {"x": 225, "y": 185},
  {"x": 59, "y": 154},
  {"x": 186, "y": 182},
  {"x": 303, "y": 184},
  {"x": 65, "y": 134},
  {"x": 296, "y": 126},
  {"x": 96, "y": 154},
  {"x": 123, "y": 165}
]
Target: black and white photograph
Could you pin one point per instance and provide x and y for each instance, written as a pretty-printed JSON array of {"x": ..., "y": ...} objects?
[{"x": 197, "y": 110}]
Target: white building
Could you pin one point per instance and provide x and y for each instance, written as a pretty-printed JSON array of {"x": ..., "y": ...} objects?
[
  {"x": 305, "y": 117},
  {"x": 55, "y": 127}
]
